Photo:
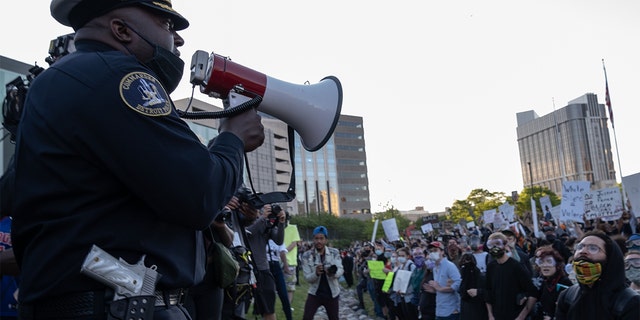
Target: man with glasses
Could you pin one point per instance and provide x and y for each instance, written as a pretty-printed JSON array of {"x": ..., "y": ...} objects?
[
  {"x": 601, "y": 291},
  {"x": 510, "y": 293}
]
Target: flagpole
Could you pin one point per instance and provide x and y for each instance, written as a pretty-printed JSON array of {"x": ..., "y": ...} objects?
[
  {"x": 558, "y": 143},
  {"x": 607, "y": 100}
]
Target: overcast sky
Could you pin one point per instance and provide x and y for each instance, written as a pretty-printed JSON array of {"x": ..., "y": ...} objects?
[{"x": 438, "y": 83}]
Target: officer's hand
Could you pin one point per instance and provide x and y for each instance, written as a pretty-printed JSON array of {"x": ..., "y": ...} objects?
[{"x": 247, "y": 126}]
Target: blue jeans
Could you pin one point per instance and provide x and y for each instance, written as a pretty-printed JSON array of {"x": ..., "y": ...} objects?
[
  {"x": 372, "y": 292},
  {"x": 281, "y": 288}
]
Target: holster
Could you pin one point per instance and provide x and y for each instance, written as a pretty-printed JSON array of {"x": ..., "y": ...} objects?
[{"x": 138, "y": 307}]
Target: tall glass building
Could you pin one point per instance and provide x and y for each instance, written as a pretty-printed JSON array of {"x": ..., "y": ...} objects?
[
  {"x": 334, "y": 179},
  {"x": 570, "y": 144}
]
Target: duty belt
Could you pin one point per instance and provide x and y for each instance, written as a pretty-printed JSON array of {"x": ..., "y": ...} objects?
[{"x": 87, "y": 304}]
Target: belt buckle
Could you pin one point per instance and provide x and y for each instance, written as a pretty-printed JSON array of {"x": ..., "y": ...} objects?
[{"x": 173, "y": 297}]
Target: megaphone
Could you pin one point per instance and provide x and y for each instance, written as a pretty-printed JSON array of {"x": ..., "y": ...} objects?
[{"x": 311, "y": 110}]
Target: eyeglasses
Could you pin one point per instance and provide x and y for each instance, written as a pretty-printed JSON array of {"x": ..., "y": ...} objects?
[
  {"x": 591, "y": 248},
  {"x": 496, "y": 243},
  {"x": 548, "y": 261},
  {"x": 633, "y": 262},
  {"x": 633, "y": 243}
]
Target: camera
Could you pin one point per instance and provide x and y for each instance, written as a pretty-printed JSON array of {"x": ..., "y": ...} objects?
[
  {"x": 245, "y": 195},
  {"x": 332, "y": 269},
  {"x": 273, "y": 216}
]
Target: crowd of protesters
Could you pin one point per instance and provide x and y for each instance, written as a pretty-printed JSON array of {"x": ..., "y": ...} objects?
[{"x": 506, "y": 273}]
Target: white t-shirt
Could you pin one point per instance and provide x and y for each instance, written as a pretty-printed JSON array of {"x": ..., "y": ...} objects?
[{"x": 481, "y": 260}]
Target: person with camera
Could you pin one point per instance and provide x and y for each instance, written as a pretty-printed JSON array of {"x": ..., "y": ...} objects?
[
  {"x": 209, "y": 300},
  {"x": 103, "y": 158},
  {"x": 322, "y": 267},
  {"x": 270, "y": 225}
]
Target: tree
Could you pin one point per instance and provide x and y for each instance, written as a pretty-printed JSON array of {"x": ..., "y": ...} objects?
[
  {"x": 478, "y": 201},
  {"x": 523, "y": 205}
]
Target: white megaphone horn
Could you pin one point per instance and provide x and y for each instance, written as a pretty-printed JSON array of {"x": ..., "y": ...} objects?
[{"x": 311, "y": 110}]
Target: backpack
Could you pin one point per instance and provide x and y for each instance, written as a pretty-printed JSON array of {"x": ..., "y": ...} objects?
[{"x": 622, "y": 298}]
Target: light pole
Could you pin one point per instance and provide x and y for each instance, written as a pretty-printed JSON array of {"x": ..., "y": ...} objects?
[{"x": 534, "y": 214}]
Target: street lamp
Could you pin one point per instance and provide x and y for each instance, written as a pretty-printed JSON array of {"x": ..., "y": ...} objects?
[{"x": 534, "y": 214}]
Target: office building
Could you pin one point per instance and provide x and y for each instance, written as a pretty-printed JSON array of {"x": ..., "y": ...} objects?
[
  {"x": 334, "y": 179},
  {"x": 571, "y": 143}
]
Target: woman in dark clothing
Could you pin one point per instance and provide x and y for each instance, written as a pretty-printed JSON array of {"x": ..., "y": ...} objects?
[
  {"x": 549, "y": 264},
  {"x": 472, "y": 305},
  {"x": 427, "y": 293}
]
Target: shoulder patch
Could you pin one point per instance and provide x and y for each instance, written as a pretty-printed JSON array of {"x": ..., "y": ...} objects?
[{"x": 143, "y": 93}]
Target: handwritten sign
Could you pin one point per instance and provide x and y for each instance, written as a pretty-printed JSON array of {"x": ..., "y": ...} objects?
[
  {"x": 605, "y": 204},
  {"x": 508, "y": 212},
  {"x": 632, "y": 188},
  {"x": 391, "y": 229},
  {"x": 545, "y": 204},
  {"x": 401, "y": 282},
  {"x": 573, "y": 199},
  {"x": 488, "y": 216},
  {"x": 387, "y": 282},
  {"x": 426, "y": 228},
  {"x": 375, "y": 269}
]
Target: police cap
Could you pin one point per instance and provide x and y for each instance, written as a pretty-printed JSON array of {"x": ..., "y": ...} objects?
[{"x": 76, "y": 13}]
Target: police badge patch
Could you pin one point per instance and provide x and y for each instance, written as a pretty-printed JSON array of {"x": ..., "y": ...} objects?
[{"x": 144, "y": 94}]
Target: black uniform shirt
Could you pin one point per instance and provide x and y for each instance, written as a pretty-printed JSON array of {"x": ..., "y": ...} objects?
[{"x": 102, "y": 158}]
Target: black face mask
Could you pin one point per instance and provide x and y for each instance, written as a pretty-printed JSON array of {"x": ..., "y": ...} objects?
[
  {"x": 165, "y": 64},
  {"x": 496, "y": 252}
]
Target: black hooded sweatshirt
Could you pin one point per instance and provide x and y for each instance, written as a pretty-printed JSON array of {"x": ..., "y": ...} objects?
[{"x": 581, "y": 302}]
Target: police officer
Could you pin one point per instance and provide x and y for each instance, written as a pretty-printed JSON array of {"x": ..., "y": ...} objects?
[{"x": 102, "y": 158}]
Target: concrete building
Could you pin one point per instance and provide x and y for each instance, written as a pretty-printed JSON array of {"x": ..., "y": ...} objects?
[{"x": 571, "y": 143}]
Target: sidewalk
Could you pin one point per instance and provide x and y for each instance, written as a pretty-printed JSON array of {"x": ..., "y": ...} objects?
[{"x": 348, "y": 306}]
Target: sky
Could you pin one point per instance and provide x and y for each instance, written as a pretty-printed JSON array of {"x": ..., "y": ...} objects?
[{"x": 438, "y": 83}]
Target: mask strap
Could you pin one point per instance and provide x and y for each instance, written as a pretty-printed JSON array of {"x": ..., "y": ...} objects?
[{"x": 139, "y": 35}]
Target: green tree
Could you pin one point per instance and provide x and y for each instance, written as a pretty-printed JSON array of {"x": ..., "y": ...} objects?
[
  {"x": 523, "y": 205},
  {"x": 473, "y": 207}
]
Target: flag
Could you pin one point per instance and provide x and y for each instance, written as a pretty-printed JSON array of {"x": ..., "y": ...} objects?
[{"x": 607, "y": 99}]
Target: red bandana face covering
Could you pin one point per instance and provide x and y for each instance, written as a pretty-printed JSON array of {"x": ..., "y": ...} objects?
[{"x": 587, "y": 272}]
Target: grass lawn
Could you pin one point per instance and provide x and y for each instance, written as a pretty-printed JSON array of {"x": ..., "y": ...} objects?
[{"x": 299, "y": 299}]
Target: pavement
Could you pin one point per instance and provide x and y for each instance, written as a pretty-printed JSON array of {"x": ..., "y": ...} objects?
[{"x": 348, "y": 307}]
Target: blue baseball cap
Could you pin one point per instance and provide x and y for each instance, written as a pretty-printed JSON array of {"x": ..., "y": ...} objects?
[{"x": 321, "y": 229}]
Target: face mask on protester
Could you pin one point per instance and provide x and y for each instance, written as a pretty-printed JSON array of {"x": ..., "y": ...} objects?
[
  {"x": 419, "y": 261},
  {"x": 430, "y": 264},
  {"x": 496, "y": 252},
  {"x": 402, "y": 260},
  {"x": 587, "y": 272},
  {"x": 633, "y": 274},
  {"x": 378, "y": 252},
  {"x": 393, "y": 260},
  {"x": 387, "y": 255},
  {"x": 435, "y": 256}
]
